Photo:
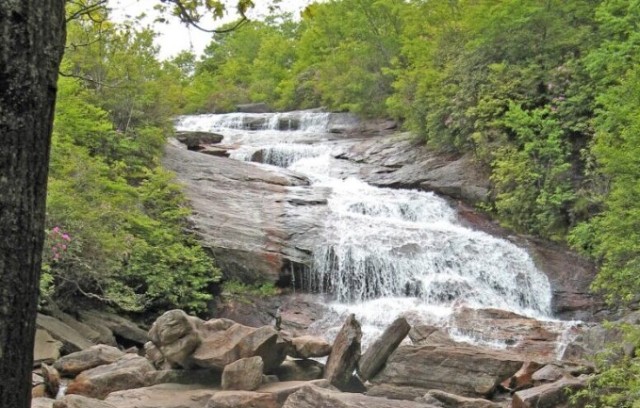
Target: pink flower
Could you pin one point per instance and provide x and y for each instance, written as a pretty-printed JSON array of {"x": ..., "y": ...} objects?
[
  {"x": 66, "y": 237},
  {"x": 56, "y": 229}
]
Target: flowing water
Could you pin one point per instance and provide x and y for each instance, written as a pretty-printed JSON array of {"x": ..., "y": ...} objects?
[{"x": 385, "y": 252}]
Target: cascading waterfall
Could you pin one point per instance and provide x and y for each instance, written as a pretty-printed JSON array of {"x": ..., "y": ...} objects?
[{"x": 386, "y": 252}]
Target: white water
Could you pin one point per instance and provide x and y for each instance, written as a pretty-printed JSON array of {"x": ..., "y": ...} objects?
[{"x": 387, "y": 252}]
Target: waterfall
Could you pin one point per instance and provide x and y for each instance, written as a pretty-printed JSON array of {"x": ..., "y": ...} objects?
[{"x": 384, "y": 252}]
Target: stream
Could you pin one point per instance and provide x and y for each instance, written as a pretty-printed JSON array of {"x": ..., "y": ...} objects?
[{"x": 387, "y": 252}]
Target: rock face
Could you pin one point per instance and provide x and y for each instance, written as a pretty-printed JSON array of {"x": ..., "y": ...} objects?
[
  {"x": 257, "y": 221},
  {"x": 176, "y": 336},
  {"x": 377, "y": 354},
  {"x": 458, "y": 370},
  {"x": 226, "y": 346},
  {"x": 314, "y": 397},
  {"x": 75, "y": 363},
  {"x": 344, "y": 354},
  {"x": 244, "y": 374},
  {"x": 309, "y": 346},
  {"x": 125, "y": 330}
]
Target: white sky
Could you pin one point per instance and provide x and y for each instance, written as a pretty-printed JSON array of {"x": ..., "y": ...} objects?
[{"x": 175, "y": 36}]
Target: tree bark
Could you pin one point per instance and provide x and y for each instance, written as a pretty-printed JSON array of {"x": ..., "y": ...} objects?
[{"x": 32, "y": 36}]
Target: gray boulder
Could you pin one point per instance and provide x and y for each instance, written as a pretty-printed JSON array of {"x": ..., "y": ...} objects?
[
  {"x": 377, "y": 354},
  {"x": 163, "y": 396},
  {"x": 176, "y": 336},
  {"x": 300, "y": 370},
  {"x": 71, "y": 339},
  {"x": 314, "y": 397},
  {"x": 244, "y": 374},
  {"x": 548, "y": 395},
  {"x": 46, "y": 349},
  {"x": 75, "y": 363},
  {"x": 345, "y": 354},
  {"x": 446, "y": 400},
  {"x": 79, "y": 401},
  {"x": 309, "y": 346}
]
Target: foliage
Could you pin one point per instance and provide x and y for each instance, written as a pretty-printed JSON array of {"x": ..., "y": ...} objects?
[
  {"x": 237, "y": 288},
  {"x": 125, "y": 217}
]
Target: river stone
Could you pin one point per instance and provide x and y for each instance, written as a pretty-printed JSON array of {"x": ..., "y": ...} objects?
[
  {"x": 244, "y": 374},
  {"x": 344, "y": 354},
  {"x": 226, "y": 346},
  {"x": 313, "y": 397},
  {"x": 466, "y": 371},
  {"x": 46, "y": 349},
  {"x": 163, "y": 396},
  {"x": 72, "y": 340},
  {"x": 548, "y": 395},
  {"x": 377, "y": 354},
  {"x": 522, "y": 378},
  {"x": 75, "y": 363},
  {"x": 127, "y": 372},
  {"x": 51, "y": 379},
  {"x": 79, "y": 401},
  {"x": 309, "y": 346},
  {"x": 195, "y": 140},
  {"x": 176, "y": 337},
  {"x": 300, "y": 370},
  {"x": 446, "y": 400}
]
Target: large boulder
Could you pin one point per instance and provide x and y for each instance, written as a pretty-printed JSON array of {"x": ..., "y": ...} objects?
[
  {"x": 223, "y": 347},
  {"x": 244, "y": 374},
  {"x": 126, "y": 373},
  {"x": 163, "y": 396},
  {"x": 197, "y": 139},
  {"x": 242, "y": 399},
  {"x": 46, "y": 349},
  {"x": 176, "y": 336},
  {"x": 314, "y": 397},
  {"x": 377, "y": 354},
  {"x": 309, "y": 346},
  {"x": 42, "y": 402},
  {"x": 71, "y": 339},
  {"x": 548, "y": 395},
  {"x": 345, "y": 354},
  {"x": 75, "y": 363},
  {"x": 465, "y": 371}
]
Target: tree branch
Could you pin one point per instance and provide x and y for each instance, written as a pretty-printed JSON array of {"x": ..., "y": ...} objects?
[
  {"x": 191, "y": 20},
  {"x": 85, "y": 9}
]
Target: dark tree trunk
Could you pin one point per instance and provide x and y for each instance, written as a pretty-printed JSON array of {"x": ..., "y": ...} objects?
[{"x": 32, "y": 39}]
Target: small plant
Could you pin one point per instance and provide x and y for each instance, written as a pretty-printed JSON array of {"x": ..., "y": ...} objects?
[{"x": 235, "y": 287}]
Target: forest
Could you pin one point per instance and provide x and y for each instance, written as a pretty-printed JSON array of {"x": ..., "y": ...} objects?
[{"x": 544, "y": 94}]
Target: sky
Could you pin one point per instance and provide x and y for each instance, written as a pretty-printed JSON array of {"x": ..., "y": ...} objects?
[{"x": 175, "y": 36}]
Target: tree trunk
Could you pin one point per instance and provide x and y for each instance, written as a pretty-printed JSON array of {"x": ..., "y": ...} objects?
[{"x": 32, "y": 36}]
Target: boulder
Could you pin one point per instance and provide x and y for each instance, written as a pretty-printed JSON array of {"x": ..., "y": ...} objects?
[
  {"x": 163, "y": 396},
  {"x": 422, "y": 335},
  {"x": 97, "y": 335},
  {"x": 547, "y": 395},
  {"x": 466, "y": 371},
  {"x": 128, "y": 372},
  {"x": 300, "y": 370},
  {"x": 309, "y": 346},
  {"x": 226, "y": 346},
  {"x": 522, "y": 378},
  {"x": 548, "y": 373},
  {"x": 79, "y": 401},
  {"x": 392, "y": 391},
  {"x": 72, "y": 340},
  {"x": 244, "y": 374},
  {"x": 75, "y": 363},
  {"x": 155, "y": 356},
  {"x": 196, "y": 140},
  {"x": 46, "y": 349},
  {"x": 176, "y": 337},
  {"x": 446, "y": 400},
  {"x": 127, "y": 332},
  {"x": 242, "y": 399},
  {"x": 42, "y": 402},
  {"x": 345, "y": 353},
  {"x": 313, "y": 397},
  {"x": 379, "y": 351},
  {"x": 51, "y": 381}
]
